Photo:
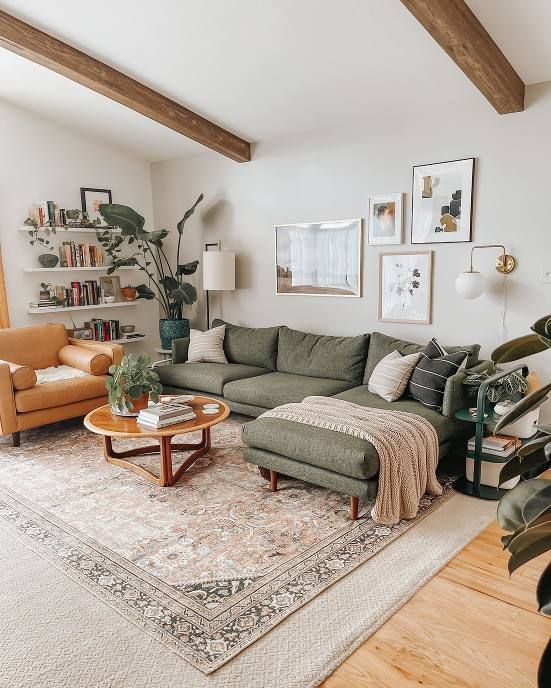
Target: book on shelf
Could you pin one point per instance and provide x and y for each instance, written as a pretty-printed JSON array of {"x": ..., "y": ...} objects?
[
  {"x": 72, "y": 255},
  {"x": 499, "y": 445},
  {"x": 105, "y": 330}
]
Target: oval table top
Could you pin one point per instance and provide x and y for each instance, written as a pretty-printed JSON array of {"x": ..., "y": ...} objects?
[{"x": 103, "y": 422}]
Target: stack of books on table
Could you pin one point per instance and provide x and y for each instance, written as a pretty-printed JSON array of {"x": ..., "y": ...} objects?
[
  {"x": 161, "y": 415},
  {"x": 500, "y": 445}
]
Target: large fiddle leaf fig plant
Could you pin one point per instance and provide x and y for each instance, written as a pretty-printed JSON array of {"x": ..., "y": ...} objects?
[
  {"x": 135, "y": 246},
  {"x": 525, "y": 510}
]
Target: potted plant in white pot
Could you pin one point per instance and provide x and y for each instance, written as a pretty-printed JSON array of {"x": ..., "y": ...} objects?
[{"x": 145, "y": 250}]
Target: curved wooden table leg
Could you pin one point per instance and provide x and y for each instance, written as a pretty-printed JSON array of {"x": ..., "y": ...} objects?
[
  {"x": 200, "y": 449},
  {"x": 119, "y": 459}
]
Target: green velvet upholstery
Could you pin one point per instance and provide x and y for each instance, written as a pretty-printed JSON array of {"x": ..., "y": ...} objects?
[
  {"x": 275, "y": 389},
  {"x": 180, "y": 349},
  {"x": 334, "y": 451},
  {"x": 335, "y": 358},
  {"x": 235, "y": 406},
  {"x": 380, "y": 345},
  {"x": 364, "y": 489},
  {"x": 363, "y": 397},
  {"x": 254, "y": 346},
  {"x": 206, "y": 377},
  {"x": 456, "y": 395}
]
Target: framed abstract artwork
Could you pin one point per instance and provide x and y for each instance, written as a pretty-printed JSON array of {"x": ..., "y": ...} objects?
[
  {"x": 442, "y": 202},
  {"x": 385, "y": 219},
  {"x": 319, "y": 258},
  {"x": 405, "y": 287},
  {"x": 91, "y": 199}
]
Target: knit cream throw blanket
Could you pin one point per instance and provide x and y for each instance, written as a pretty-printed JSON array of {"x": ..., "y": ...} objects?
[{"x": 406, "y": 443}]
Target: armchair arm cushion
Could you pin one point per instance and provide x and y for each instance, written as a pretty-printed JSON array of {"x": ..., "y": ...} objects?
[
  {"x": 180, "y": 350},
  {"x": 8, "y": 415},
  {"x": 88, "y": 360},
  {"x": 455, "y": 393},
  {"x": 22, "y": 377},
  {"x": 114, "y": 351}
]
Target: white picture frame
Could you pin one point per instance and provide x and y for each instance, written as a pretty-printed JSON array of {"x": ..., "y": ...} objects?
[
  {"x": 385, "y": 223},
  {"x": 319, "y": 258},
  {"x": 405, "y": 287},
  {"x": 442, "y": 202}
]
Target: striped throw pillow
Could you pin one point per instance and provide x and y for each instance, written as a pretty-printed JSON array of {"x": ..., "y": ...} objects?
[
  {"x": 430, "y": 375},
  {"x": 207, "y": 347},
  {"x": 390, "y": 376}
]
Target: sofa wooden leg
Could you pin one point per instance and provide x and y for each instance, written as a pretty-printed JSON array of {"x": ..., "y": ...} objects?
[
  {"x": 354, "y": 501},
  {"x": 16, "y": 439},
  {"x": 273, "y": 481}
]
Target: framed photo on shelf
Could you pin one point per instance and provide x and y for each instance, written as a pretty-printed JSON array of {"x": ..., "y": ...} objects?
[
  {"x": 385, "y": 219},
  {"x": 405, "y": 287},
  {"x": 319, "y": 258},
  {"x": 91, "y": 199},
  {"x": 110, "y": 288},
  {"x": 442, "y": 202}
]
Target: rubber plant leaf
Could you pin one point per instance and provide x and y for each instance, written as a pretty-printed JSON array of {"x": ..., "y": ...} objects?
[
  {"x": 129, "y": 221},
  {"x": 156, "y": 237},
  {"x": 520, "y": 465},
  {"x": 186, "y": 293},
  {"x": 533, "y": 542},
  {"x": 537, "y": 505},
  {"x": 187, "y": 268},
  {"x": 188, "y": 214},
  {"x": 510, "y": 506},
  {"x": 169, "y": 283},
  {"x": 144, "y": 292},
  {"x": 542, "y": 327},
  {"x": 518, "y": 348},
  {"x": 543, "y": 592},
  {"x": 533, "y": 446},
  {"x": 524, "y": 406}
]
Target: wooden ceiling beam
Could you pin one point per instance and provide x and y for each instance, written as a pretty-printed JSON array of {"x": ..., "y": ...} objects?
[
  {"x": 45, "y": 50},
  {"x": 456, "y": 29}
]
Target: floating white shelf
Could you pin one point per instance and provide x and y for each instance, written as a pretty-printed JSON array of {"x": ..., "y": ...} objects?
[
  {"x": 104, "y": 268},
  {"x": 124, "y": 340},
  {"x": 63, "y": 309},
  {"x": 67, "y": 230}
]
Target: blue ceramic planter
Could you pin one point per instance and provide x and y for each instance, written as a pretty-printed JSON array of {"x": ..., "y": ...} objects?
[{"x": 172, "y": 329}]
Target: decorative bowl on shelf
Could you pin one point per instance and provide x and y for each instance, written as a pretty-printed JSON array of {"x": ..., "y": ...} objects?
[
  {"x": 128, "y": 329},
  {"x": 48, "y": 260},
  {"x": 109, "y": 299}
]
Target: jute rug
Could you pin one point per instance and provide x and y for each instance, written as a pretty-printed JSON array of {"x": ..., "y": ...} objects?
[{"x": 209, "y": 567}]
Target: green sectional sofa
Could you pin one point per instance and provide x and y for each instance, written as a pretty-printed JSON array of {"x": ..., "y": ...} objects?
[{"x": 271, "y": 366}]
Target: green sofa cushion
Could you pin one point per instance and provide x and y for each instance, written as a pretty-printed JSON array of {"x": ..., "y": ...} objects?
[
  {"x": 327, "y": 449},
  {"x": 363, "y": 397},
  {"x": 335, "y": 358},
  {"x": 205, "y": 377},
  {"x": 380, "y": 345},
  {"x": 254, "y": 346},
  {"x": 275, "y": 389}
]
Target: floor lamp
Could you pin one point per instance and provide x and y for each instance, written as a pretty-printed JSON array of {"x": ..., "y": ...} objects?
[{"x": 218, "y": 271}]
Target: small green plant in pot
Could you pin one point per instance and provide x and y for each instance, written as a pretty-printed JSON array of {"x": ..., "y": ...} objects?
[{"x": 130, "y": 385}]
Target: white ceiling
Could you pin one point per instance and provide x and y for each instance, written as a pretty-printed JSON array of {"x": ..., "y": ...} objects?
[{"x": 262, "y": 69}]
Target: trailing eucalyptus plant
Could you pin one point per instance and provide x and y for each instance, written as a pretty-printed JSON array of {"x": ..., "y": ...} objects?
[
  {"x": 130, "y": 380},
  {"x": 525, "y": 510},
  {"x": 147, "y": 252}
]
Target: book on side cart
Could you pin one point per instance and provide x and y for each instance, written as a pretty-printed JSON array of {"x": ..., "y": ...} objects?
[
  {"x": 161, "y": 415},
  {"x": 500, "y": 445}
]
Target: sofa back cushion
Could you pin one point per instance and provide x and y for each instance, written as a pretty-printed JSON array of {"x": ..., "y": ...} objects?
[
  {"x": 315, "y": 355},
  {"x": 254, "y": 346},
  {"x": 380, "y": 345},
  {"x": 36, "y": 347}
]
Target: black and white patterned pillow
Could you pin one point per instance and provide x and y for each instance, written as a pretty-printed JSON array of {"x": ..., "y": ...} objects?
[{"x": 430, "y": 375}]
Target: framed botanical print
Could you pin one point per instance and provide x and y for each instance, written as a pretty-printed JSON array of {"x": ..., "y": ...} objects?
[
  {"x": 319, "y": 258},
  {"x": 405, "y": 287},
  {"x": 91, "y": 199},
  {"x": 385, "y": 219},
  {"x": 442, "y": 202}
]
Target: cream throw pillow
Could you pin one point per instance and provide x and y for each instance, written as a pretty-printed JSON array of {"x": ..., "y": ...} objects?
[
  {"x": 207, "y": 347},
  {"x": 390, "y": 376}
]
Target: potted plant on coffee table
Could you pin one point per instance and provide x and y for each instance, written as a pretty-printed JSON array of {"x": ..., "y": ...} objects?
[
  {"x": 135, "y": 246},
  {"x": 131, "y": 384}
]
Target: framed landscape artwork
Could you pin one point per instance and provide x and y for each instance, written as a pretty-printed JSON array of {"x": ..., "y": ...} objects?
[
  {"x": 442, "y": 202},
  {"x": 319, "y": 258},
  {"x": 385, "y": 219},
  {"x": 405, "y": 287}
]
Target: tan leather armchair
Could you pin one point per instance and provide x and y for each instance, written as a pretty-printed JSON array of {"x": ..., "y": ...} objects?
[{"x": 26, "y": 401}]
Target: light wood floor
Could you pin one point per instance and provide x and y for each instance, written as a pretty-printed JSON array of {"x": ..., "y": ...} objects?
[{"x": 469, "y": 627}]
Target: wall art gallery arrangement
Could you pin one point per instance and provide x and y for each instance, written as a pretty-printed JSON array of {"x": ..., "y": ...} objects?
[{"x": 324, "y": 258}]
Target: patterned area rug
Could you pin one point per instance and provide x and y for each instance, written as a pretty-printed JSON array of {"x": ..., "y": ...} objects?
[{"x": 209, "y": 566}]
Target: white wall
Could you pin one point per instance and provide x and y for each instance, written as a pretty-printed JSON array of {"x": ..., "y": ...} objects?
[
  {"x": 329, "y": 176},
  {"x": 42, "y": 160}
]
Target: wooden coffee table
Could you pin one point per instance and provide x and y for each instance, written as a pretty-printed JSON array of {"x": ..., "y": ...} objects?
[{"x": 103, "y": 422}]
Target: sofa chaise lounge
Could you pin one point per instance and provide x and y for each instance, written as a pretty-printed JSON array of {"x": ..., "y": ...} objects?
[{"x": 271, "y": 366}]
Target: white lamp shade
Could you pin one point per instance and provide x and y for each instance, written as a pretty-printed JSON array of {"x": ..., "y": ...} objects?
[
  {"x": 470, "y": 285},
  {"x": 218, "y": 270}
]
